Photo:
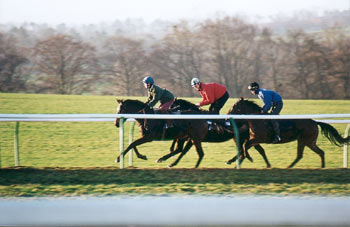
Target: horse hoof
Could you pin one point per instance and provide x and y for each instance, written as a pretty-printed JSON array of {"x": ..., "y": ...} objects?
[
  {"x": 228, "y": 163},
  {"x": 117, "y": 160},
  {"x": 159, "y": 161},
  {"x": 143, "y": 157}
]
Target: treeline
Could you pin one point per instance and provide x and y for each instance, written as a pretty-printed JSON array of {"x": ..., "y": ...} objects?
[{"x": 229, "y": 50}]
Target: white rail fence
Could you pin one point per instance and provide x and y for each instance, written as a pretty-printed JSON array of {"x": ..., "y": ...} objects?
[{"x": 111, "y": 117}]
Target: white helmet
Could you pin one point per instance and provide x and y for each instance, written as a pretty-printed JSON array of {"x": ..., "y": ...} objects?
[{"x": 194, "y": 81}]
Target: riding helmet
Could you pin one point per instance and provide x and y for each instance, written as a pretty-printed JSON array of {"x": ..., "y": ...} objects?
[
  {"x": 148, "y": 80},
  {"x": 195, "y": 81},
  {"x": 253, "y": 86}
]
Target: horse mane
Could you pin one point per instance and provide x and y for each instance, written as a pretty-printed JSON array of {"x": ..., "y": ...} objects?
[
  {"x": 135, "y": 102},
  {"x": 255, "y": 107},
  {"x": 186, "y": 104}
]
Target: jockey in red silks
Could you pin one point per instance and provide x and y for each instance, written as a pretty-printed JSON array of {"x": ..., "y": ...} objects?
[{"x": 212, "y": 93}]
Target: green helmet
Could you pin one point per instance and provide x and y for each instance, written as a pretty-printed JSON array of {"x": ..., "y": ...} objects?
[{"x": 148, "y": 80}]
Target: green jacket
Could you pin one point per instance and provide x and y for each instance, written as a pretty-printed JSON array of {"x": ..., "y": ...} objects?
[{"x": 156, "y": 94}]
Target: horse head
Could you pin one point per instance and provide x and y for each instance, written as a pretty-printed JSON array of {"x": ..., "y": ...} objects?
[
  {"x": 129, "y": 106},
  {"x": 245, "y": 106}
]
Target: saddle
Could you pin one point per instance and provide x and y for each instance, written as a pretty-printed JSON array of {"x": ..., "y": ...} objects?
[
  {"x": 284, "y": 124},
  {"x": 220, "y": 126}
]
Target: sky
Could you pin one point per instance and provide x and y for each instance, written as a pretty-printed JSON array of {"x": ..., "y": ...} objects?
[{"x": 97, "y": 11}]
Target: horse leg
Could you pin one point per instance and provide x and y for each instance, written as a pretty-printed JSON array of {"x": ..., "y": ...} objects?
[
  {"x": 139, "y": 155},
  {"x": 229, "y": 162},
  {"x": 261, "y": 151},
  {"x": 179, "y": 148},
  {"x": 245, "y": 153},
  {"x": 137, "y": 142},
  {"x": 243, "y": 137},
  {"x": 241, "y": 156},
  {"x": 173, "y": 145},
  {"x": 200, "y": 152},
  {"x": 318, "y": 151},
  {"x": 184, "y": 151},
  {"x": 300, "y": 151}
]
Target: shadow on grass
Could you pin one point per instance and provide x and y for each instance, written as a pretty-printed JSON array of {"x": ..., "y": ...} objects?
[{"x": 112, "y": 175}]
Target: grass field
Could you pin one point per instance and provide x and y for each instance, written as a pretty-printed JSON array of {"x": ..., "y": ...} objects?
[{"x": 73, "y": 158}]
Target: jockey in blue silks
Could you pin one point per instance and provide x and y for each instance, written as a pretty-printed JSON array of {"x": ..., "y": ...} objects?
[{"x": 272, "y": 100}]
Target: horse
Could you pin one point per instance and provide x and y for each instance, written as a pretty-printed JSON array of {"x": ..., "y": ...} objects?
[
  {"x": 154, "y": 129},
  {"x": 215, "y": 135},
  {"x": 305, "y": 131}
]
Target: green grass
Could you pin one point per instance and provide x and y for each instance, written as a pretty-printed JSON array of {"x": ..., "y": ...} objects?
[
  {"x": 112, "y": 181},
  {"x": 64, "y": 148}
]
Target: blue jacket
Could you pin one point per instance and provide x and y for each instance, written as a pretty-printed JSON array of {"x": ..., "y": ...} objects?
[{"x": 270, "y": 98}]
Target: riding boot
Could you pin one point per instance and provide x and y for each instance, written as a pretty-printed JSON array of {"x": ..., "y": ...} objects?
[{"x": 276, "y": 128}]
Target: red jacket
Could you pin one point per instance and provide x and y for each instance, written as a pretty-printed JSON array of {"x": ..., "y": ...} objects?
[{"x": 211, "y": 93}]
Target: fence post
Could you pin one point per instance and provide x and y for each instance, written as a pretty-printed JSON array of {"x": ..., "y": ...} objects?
[
  {"x": 345, "y": 151},
  {"x": 131, "y": 135},
  {"x": 121, "y": 142},
  {"x": 16, "y": 144},
  {"x": 235, "y": 130}
]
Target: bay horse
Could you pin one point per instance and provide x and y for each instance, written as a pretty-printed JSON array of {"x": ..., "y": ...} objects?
[
  {"x": 216, "y": 135},
  {"x": 152, "y": 129},
  {"x": 305, "y": 131}
]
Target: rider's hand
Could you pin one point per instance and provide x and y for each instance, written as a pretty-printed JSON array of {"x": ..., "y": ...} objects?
[{"x": 198, "y": 105}]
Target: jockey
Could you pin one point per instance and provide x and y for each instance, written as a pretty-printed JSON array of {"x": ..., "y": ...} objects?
[
  {"x": 272, "y": 100},
  {"x": 156, "y": 94},
  {"x": 212, "y": 93}
]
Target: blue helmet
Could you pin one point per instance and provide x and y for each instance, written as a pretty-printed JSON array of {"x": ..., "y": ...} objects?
[{"x": 148, "y": 80}]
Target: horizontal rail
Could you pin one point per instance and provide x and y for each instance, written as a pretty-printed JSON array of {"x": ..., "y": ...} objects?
[
  {"x": 131, "y": 117},
  {"x": 111, "y": 117}
]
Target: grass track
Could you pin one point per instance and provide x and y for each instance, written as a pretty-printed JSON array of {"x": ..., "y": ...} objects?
[
  {"x": 75, "y": 158},
  {"x": 27, "y": 181}
]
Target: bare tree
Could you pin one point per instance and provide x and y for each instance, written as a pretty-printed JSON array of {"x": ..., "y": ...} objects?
[
  {"x": 125, "y": 66},
  {"x": 308, "y": 66},
  {"x": 65, "y": 65},
  {"x": 230, "y": 41},
  {"x": 271, "y": 56},
  {"x": 11, "y": 59},
  {"x": 179, "y": 57},
  {"x": 339, "y": 44}
]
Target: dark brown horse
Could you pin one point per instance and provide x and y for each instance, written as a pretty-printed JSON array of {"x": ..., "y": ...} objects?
[
  {"x": 153, "y": 129},
  {"x": 221, "y": 132},
  {"x": 305, "y": 131}
]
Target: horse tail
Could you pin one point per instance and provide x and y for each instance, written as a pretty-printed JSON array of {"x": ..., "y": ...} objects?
[{"x": 332, "y": 134}]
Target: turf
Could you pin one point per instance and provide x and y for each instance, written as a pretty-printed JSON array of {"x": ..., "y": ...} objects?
[
  {"x": 26, "y": 181},
  {"x": 75, "y": 152}
]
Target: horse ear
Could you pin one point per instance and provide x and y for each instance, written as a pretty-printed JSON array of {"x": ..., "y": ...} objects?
[
  {"x": 119, "y": 100},
  {"x": 241, "y": 98}
]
